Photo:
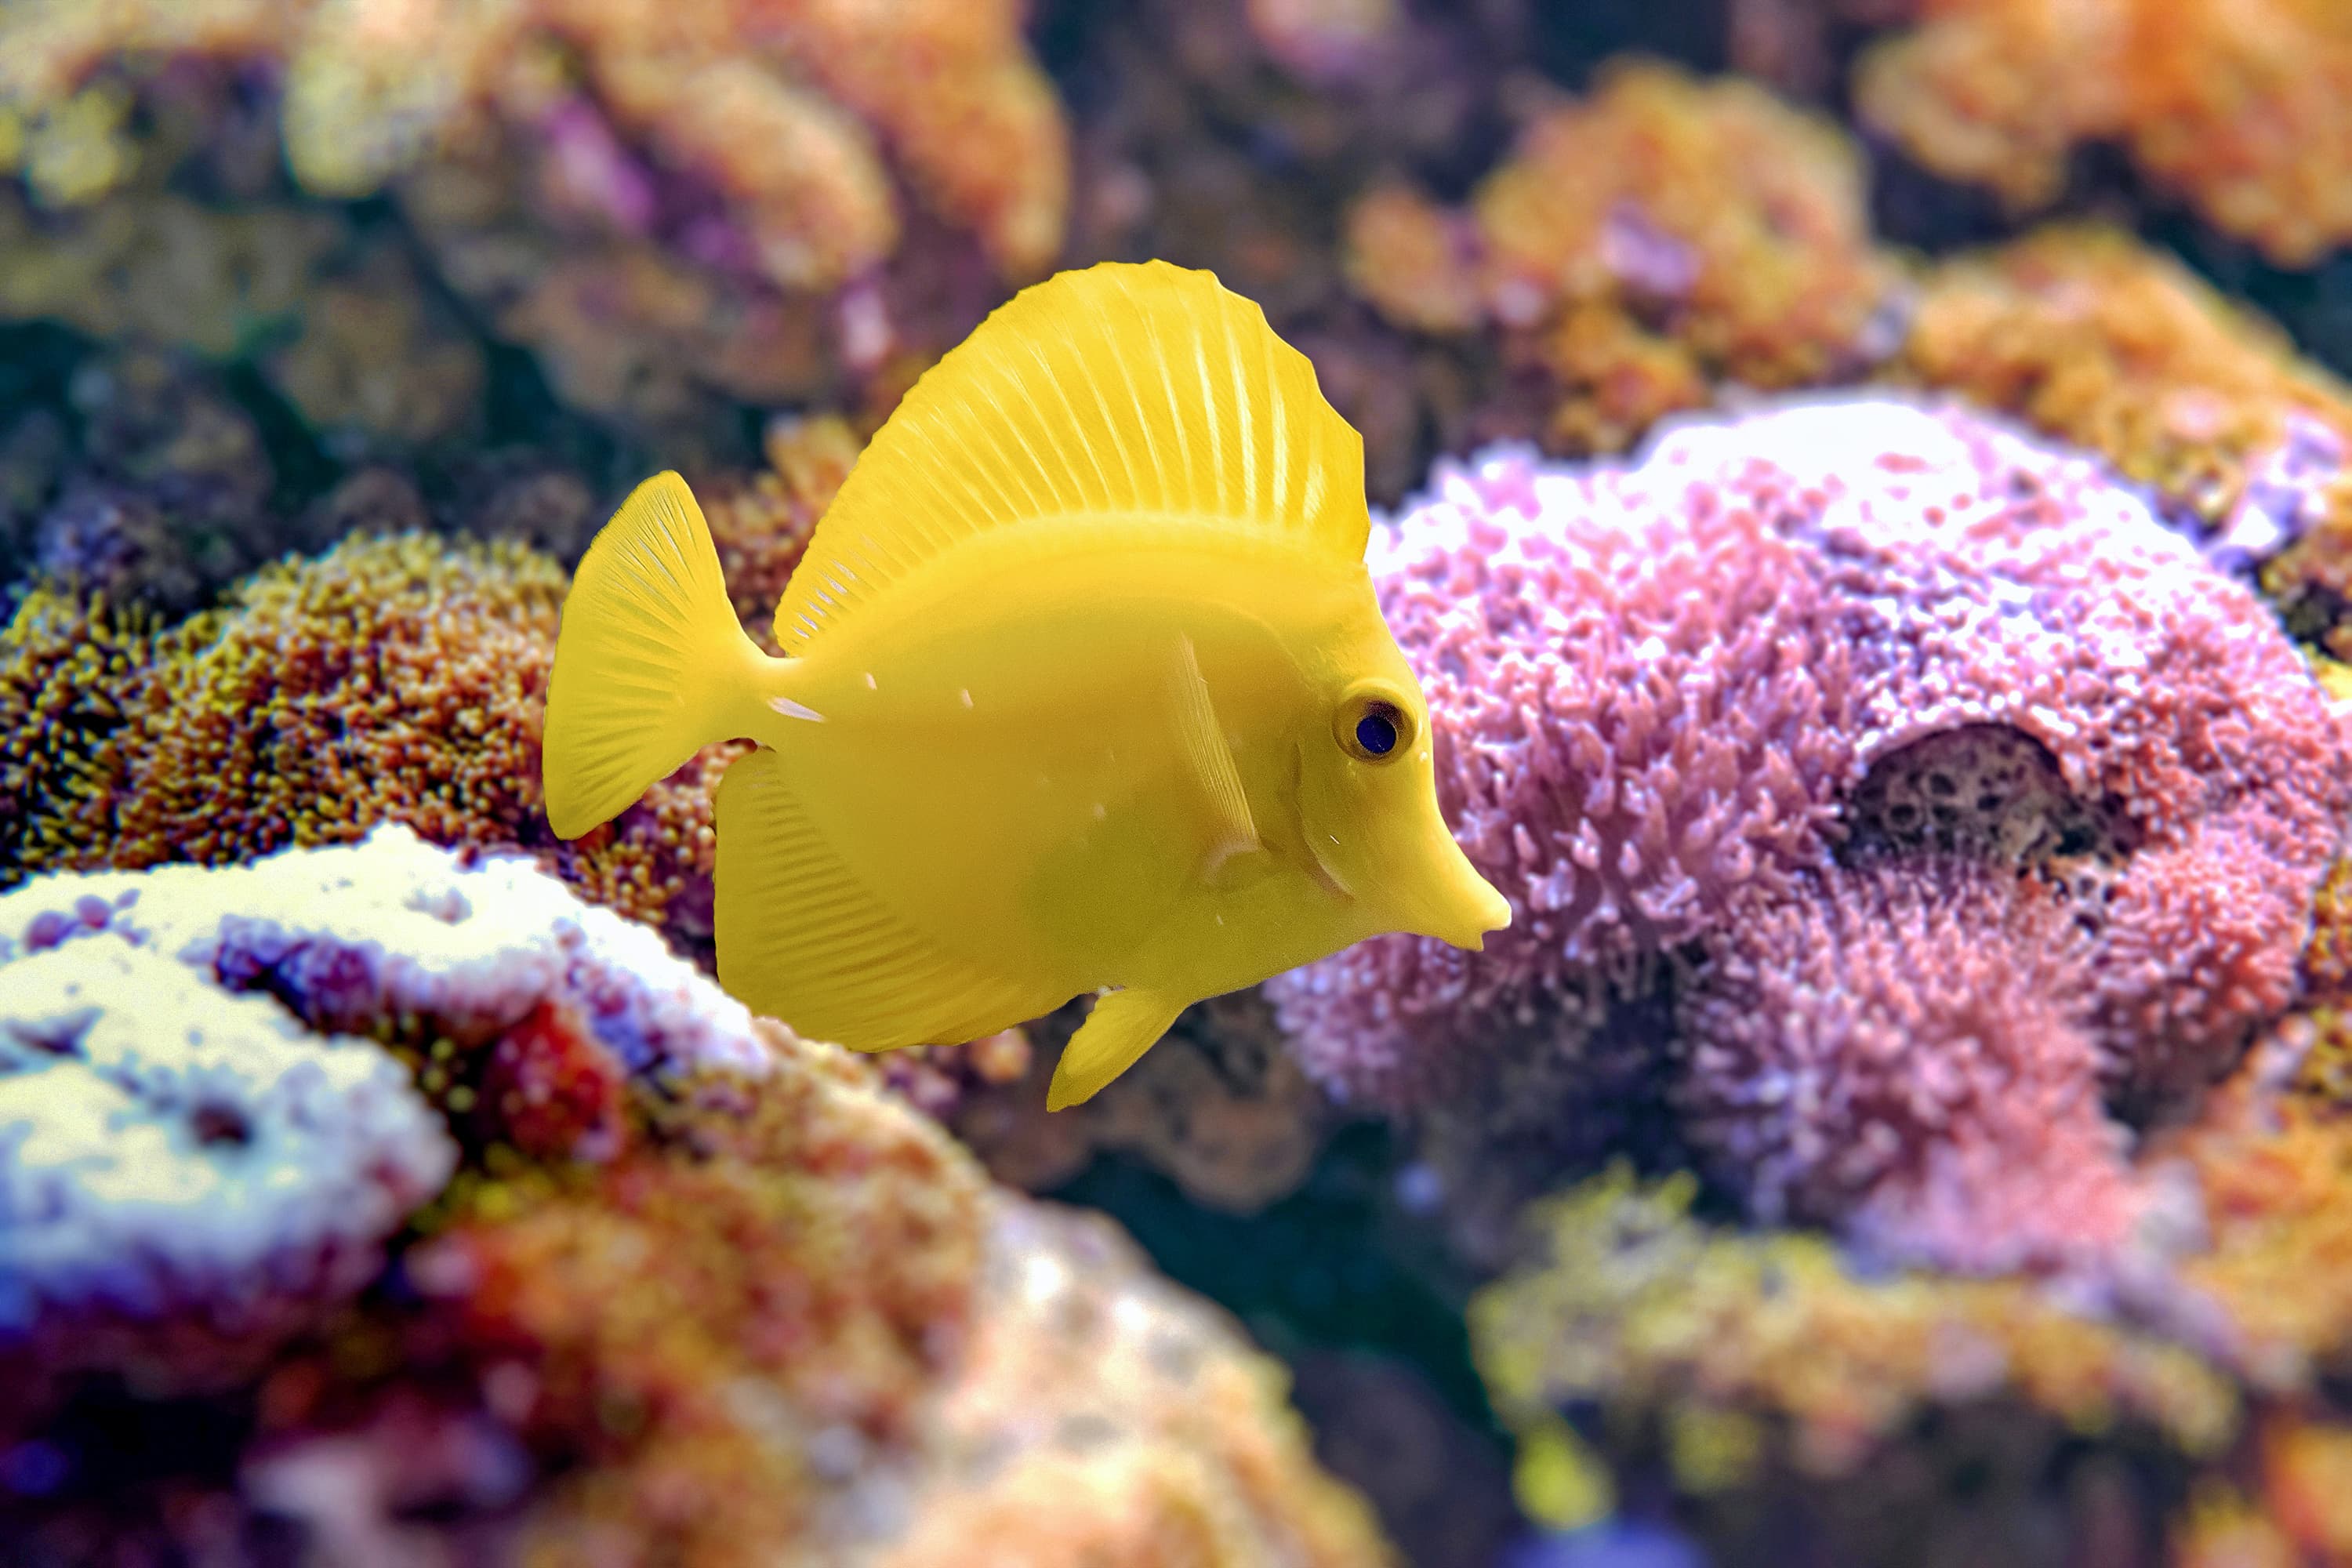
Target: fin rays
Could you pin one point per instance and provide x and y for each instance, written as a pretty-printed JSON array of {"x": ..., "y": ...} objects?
[
  {"x": 650, "y": 661},
  {"x": 1118, "y": 390},
  {"x": 1123, "y": 1026},
  {"x": 803, "y": 939}
]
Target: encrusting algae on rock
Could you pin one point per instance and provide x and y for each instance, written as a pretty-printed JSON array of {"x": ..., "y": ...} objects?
[
  {"x": 1099, "y": 577},
  {"x": 696, "y": 1292}
]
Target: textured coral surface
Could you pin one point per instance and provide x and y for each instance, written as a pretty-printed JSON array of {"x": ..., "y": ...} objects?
[
  {"x": 698, "y": 1292},
  {"x": 1642, "y": 246},
  {"x": 1666, "y": 694},
  {"x": 663, "y": 202},
  {"x": 2238, "y": 105},
  {"x": 1907, "y": 822}
]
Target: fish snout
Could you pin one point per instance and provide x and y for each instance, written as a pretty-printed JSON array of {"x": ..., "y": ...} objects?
[
  {"x": 1459, "y": 906},
  {"x": 1479, "y": 910}
]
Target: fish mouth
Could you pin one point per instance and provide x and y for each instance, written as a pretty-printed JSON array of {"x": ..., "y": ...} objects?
[
  {"x": 1462, "y": 906},
  {"x": 1468, "y": 912}
]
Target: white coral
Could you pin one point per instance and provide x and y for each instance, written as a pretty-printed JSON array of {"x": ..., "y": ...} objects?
[
  {"x": 162, "y": 1141},
  {"x": 183, "y": 1114}
]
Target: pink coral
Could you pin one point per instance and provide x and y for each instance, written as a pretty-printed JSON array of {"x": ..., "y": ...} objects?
[
  {"x": 1901, "y": 1046},
  {"x": 1662, "y": 689}
]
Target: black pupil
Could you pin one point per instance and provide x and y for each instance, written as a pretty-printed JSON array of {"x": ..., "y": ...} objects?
[{"x": 1376, "y": 732}]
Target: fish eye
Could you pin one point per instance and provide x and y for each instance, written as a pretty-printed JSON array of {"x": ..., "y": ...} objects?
[{"x": 1372, "y": 724}]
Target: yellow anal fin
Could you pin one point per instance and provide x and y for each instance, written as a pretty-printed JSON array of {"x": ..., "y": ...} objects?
[
  {"x": 1210, "y": 759},
  {"x": 1123, "y": 1026},
  {"x": 1116, "y": 392},
  {"x": 803, "y": 939},
  {"x": 651, "y": 664}
]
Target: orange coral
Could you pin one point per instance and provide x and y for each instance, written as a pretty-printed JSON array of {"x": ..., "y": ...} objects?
[
  {"x": 1641, "y": 246},
  {"x": 2090, "y": 337},
  {"x": 671, "y": 206},
  {"x": 787, "y": 108},
  {"x": 813, "y": 1242},
  {"x": 2239, "y": 104}
]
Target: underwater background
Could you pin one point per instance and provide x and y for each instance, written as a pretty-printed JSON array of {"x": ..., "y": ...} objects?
[{"x": 1866, "y": 487}]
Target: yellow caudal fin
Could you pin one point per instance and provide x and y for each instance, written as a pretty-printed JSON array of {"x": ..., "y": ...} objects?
[
  {"x": 651, "y": 664},
  {"x": 1123, "y": 1026},
  {"x": 1112, "y": 394},
  {"x": 802, "y": 938}
]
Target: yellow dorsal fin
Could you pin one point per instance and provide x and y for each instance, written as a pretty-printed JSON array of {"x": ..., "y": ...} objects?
[{"x": 1120, "y": 390}]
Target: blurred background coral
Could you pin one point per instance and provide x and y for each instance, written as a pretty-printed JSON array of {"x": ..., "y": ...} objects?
[{"x": 1865, "y": 485}]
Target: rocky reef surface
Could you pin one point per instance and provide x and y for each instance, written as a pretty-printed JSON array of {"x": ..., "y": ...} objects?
[
  {"x": 1867, "y": 499},
  {"x": 406, "y": 1202}
]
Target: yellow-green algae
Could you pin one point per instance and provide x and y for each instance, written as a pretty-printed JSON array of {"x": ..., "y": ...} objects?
[{"x": 1744, "y": 1348}]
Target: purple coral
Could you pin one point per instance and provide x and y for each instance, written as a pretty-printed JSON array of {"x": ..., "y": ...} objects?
[{"x": 1663, "y": 692}]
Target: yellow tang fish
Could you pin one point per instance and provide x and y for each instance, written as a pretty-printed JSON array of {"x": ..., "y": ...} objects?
[{"x": 1085, "y": 686}]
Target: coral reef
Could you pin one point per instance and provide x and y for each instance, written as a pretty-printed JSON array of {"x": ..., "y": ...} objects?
[
  {"x": 392, "y": 678},
  {"x": 2236, "y": 106},
  {"x": 762, "y": 522},
  {"x": 1642, "y": 246},
  {"x": 71, "y": 675},
  {"x": 338, "y": 321},
  {"x": 2093, "y": 339},
  {"x": 1230, "y": 134},
  {"x": 1663, "y": 241},
  {"x": 1912, "y": 830},
  {"x": 1898, "y": 1048},
  {"x": 157, "y": 495},
  {"x": 165, "y": 1149},
  {"x": 1219, "y": 1105},
  {"x": 670, "y": 207},
  {"x": 388, "y": 679},
  {"x": 697, "y": 1290},
  {"x": 2181, "y": 1411},
  {"x": 1660, "y": 693},
  {"x": 1784, "y": 1396}
]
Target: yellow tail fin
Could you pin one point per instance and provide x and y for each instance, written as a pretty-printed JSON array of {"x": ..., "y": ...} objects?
[{"x": 651, "y": 664}]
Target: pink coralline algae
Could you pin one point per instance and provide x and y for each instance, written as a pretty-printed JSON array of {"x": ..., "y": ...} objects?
[
  {"x": 1677, "y": 700},
  {"x": 1898, "y": 1046}
]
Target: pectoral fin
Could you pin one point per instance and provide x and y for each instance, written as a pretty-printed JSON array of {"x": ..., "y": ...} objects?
[
  {"x": 1123, "y": 1026},
  {"x": 1211, "y": 761}
]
